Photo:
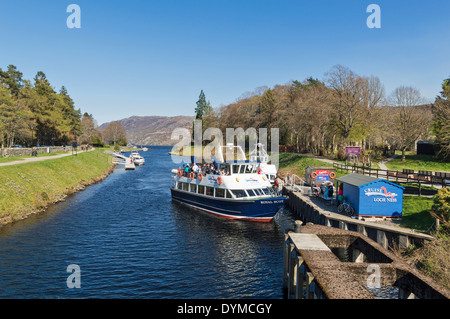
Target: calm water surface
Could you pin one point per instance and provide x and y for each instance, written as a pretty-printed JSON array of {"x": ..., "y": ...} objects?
[{"x": 131, "y": 241}]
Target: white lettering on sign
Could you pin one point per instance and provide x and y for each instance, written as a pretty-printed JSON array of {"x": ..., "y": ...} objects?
[{"x": 379, "y": 192}]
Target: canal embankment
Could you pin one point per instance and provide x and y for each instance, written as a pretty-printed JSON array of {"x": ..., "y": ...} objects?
[{"x": 31, "y": 187}]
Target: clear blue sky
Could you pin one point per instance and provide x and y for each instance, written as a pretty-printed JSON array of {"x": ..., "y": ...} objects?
[{"x": 154, "y": 57}]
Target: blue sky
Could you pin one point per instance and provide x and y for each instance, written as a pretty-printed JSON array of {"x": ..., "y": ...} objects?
[{"x": 154, "y": 57}]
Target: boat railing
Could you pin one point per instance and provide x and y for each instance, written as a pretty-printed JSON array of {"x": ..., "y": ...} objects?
[{"x": 292, "y": 181}]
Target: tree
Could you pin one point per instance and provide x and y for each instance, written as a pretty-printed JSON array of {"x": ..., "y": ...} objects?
[
  {"x": 202, "y": 111},
  {"x": 88, "y": 128},
  {"x": 410, "y": 122},
  {"x": 115, "y": 133},
  {"x": 441, "y": 120},
  {"x": 202, "y": 106},
  {"x": 348, "y": 92},
  {"x": 12, "y": 78}
]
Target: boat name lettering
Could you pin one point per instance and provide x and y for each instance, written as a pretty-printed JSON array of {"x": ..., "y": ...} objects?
[{"x": 271, "y": 201}]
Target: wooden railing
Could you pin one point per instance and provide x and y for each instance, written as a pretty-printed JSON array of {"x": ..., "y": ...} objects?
[{"x": 404, "y": 176}]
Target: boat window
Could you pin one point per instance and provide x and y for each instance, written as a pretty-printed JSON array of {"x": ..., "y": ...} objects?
[
  {"x": 193, "y": 188},
  {"x": 250, "y": 192},
  {"x": 266, "y": 191},
  {"x": 209, "y": 191},
  {"x": 228, "y": 194},
  {"x": 239, "y": 193},
  {"x": 242, "y": 171},
  {"x": 179, "y": 185},
  {"x": 248, "y": 169},
  {"x": 185, "y": 186},
  {"x": 258, "y": 191},
  {"x": 220, "y": 192},
  {"x": 201, "y": 189},
  {"x": 235, "y": 169}
]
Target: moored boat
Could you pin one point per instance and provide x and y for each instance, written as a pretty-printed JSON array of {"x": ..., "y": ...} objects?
[
  {"x": 137, "y": 158},
  {"x": 228, "y": 189}
]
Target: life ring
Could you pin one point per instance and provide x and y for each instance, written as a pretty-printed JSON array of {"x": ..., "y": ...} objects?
[
  {"x": 180, "y": 173},
  {"x": 219, "y": 180},
  {"x": 192, "y": 175},
  {"x": 200, "y": 176},
  {"x": 332, "y": 174},
  {"x": 313, "y": 175}
]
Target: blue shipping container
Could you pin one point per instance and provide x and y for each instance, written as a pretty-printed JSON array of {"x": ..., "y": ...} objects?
[{"x": 371, "y": 196}]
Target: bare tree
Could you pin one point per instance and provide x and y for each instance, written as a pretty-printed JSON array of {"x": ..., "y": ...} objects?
[
  {"x": 411, "y": 122},
  {"x": 348, "y": 106},
  {"x": 115, "y": 133}
]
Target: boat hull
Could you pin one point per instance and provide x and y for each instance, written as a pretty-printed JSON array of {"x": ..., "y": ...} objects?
[{"x": 262, "y": 210}]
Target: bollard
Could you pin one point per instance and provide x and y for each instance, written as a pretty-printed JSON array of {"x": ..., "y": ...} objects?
[{"x": 298, "y": 226}]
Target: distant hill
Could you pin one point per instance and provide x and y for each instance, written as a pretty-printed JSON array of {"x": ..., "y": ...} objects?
[{"x": 153, "y": 130}]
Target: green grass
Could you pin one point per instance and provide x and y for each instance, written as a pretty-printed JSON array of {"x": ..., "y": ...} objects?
[
  {"x": 290, "y": 163},
  {"x": 30, "y": 187},
  {"x": 418, "y": 162},
  {"x": 416, "y": 213}
]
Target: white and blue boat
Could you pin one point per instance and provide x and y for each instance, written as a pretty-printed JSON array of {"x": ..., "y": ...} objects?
[{"x": 237, "y": 190}]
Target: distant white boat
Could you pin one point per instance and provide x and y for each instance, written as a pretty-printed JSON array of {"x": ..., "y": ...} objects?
[
  {"x": 137, "y": 158},
  {"x": 145, "y": 149}
]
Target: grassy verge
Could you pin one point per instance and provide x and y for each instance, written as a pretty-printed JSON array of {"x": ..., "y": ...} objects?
[
  {"x": 416, "y": 213},
  {"x": 418, "y": 162},
  {"x": 290, "y": 163},
  {"x": 30, "y": 187}
]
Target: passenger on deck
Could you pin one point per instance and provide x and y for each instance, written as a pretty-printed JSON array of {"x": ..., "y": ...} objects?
[{"x": 194, "y": 168}]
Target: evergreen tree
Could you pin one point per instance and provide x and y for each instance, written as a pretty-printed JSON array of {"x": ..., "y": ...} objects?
[
  {"x": 203, "y": 106},
  {"x": 441, "y": 116}
]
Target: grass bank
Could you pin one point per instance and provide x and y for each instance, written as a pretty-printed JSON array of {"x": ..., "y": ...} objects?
[
  {"x": 290, "y": 163},
  {"x": 419, "y": 163},
  {"x": 31, "y": 187}
]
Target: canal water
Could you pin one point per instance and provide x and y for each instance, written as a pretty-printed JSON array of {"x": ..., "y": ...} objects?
[{"x": 130, "y": 240}]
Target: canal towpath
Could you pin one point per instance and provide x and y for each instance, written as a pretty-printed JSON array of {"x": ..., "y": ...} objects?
[{"x": 38, "y": 159}]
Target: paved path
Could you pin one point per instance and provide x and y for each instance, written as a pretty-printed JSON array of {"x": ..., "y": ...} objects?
[
  {"x": 37, "y": 159},
  {"x": 382, "y": 164}
]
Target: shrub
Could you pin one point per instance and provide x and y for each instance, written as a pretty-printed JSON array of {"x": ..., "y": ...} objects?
[{"x": 441, "y": 209}]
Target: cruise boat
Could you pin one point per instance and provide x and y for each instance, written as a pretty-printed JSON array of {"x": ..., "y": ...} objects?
[
  {"x": 137, "y": 158},
  {"x": 238, "y": 190}
]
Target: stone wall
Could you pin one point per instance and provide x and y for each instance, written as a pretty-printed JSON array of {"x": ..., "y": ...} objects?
[{"x": 27, "y": 151}]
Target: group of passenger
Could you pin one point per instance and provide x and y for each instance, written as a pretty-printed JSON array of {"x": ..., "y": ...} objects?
[
  {"x": 325, "y": 190},
  {"x": 206, "y": 168}
]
